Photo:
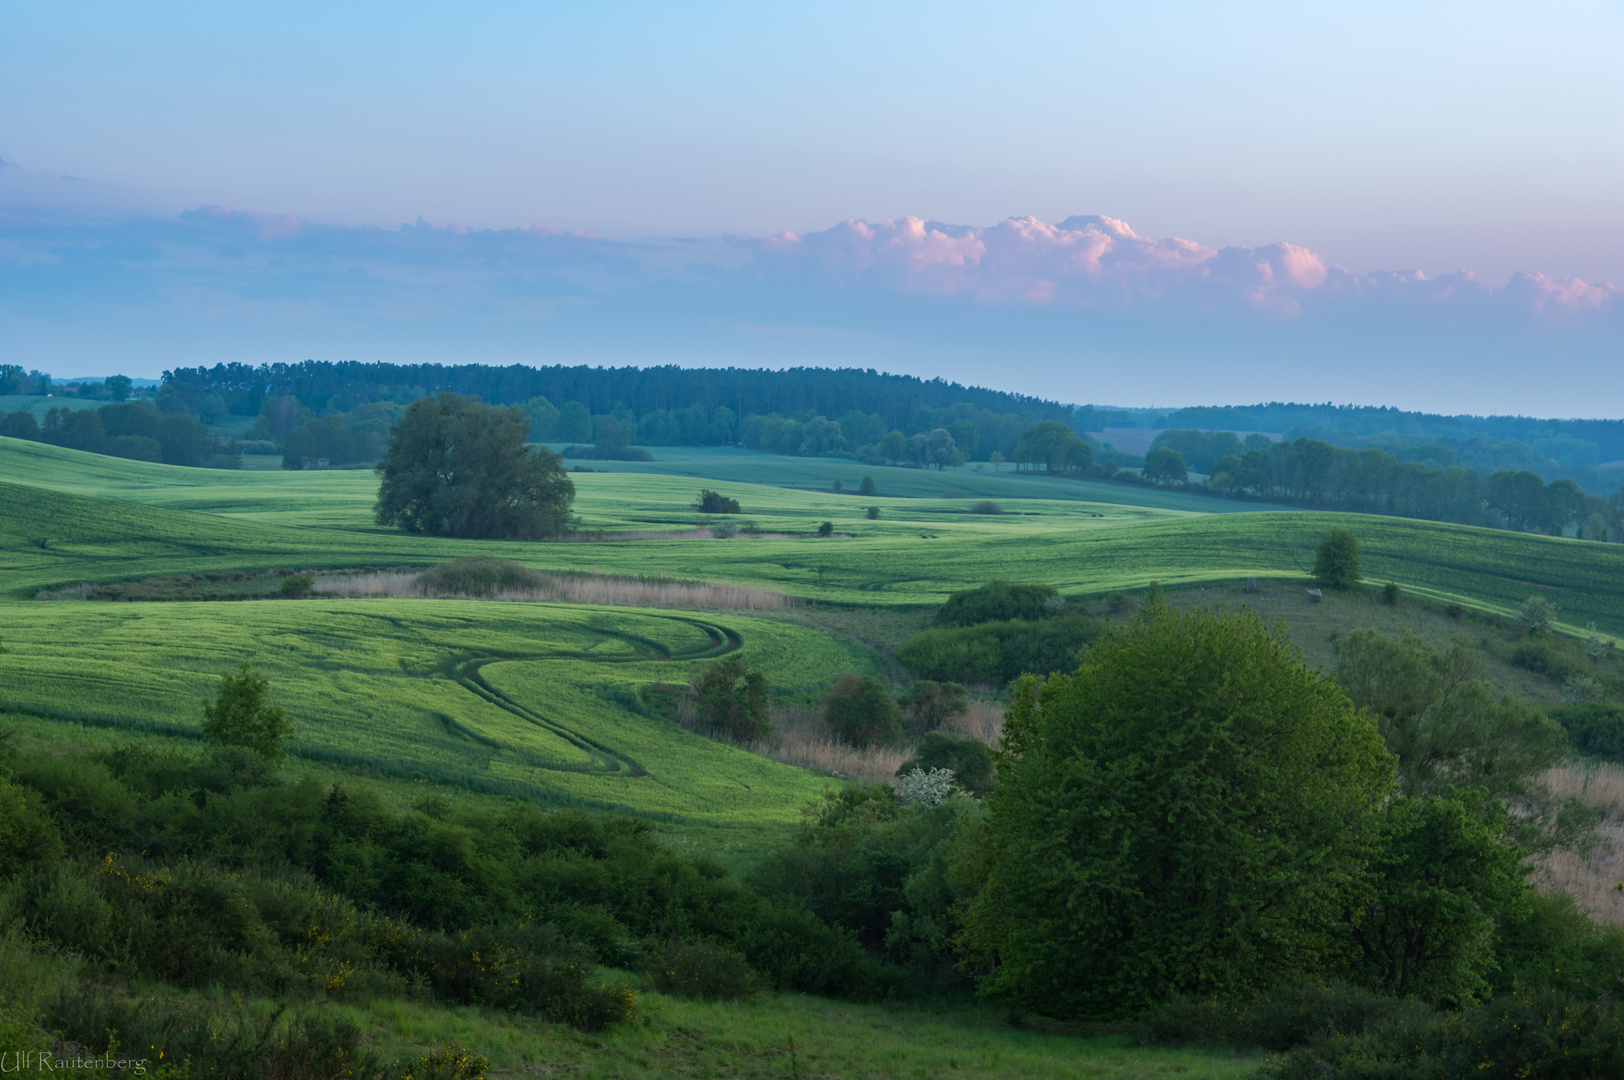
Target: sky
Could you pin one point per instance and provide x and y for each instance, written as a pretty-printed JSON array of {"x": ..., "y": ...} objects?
[{"x": 1418, "y": 204}]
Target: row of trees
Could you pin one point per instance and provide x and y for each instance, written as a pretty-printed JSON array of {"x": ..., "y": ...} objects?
[
  {"x": 134, "y": 429},
  {"x": 14, "y": 380},
  {"x": 1315, "y": 473}
]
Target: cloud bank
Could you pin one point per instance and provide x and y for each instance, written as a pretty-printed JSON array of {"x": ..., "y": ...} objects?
[{"x": 1082, "y": 310}]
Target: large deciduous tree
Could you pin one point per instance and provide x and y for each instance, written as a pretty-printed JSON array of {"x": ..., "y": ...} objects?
[
  {"x": 456, "y": 467},
  {"x": 1190, "y": 812}
]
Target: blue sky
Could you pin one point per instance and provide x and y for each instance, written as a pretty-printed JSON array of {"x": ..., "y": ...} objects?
[{"x": 1429, "y": 137}]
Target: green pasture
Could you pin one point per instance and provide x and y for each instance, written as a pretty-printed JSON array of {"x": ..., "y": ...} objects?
[
  {"x": 979, "y": 481},
  {"x": 39, "y": 404},
  {"x": 522, "y": 698},
  {"x": 927, "y": 548}
]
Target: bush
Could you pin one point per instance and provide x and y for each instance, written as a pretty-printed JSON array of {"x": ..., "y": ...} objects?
[
  {"x": 826, "y": 528},
  {"x": 970, "y": 760},
  {"x": 868, "y": 488},
  {"x": 1548, "y": 658},
  {"x": 872, "y": 513},
  {"x": 998, "y": 601},
  {"x": 930, "y": 704},
  {"x": 28, "y": 837},
  {"x": 859, "y": 710},
  {"x": 710, "y": 502},
  {"x": 1118, "y": 603},
  {"x": 704, "y": 971},
  {"x": 1000, "y": 652},
  {"x": 1286, "y": 1016},
  {"x": 239, "y": 716},
  {"x": 479, "y": 575},
  {"x": 1537, "y": 614},
  {"x": 732, "y": 699},
  {"x": 296, "y": 585},
  {"x": 1390, "y": 593},
  {"x": 986, "y": 506},
  {"x": 928, "y": 788},
  {"x": 1595, "y": 728},
  {"x": 1336, "y": 562},
  {"x": 724, "y": 530}
]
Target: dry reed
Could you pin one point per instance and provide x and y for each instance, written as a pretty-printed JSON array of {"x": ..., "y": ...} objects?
[
  {"x": 1590, "y": 878},
  {"x": 603, "y": 589}
]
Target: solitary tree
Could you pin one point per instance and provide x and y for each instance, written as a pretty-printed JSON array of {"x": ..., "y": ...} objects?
[
  {"x": 239, "y": 716},
  {"x": 1165, "y": 466},
  {"x": 118, "y": 387},
  {"x": 710, "y": 502},
  {"x": 733, "y": 699},
  {"x": 1189, "y": 812},
  {"x": 456, "y": 467},
  {"x": 1336, "y": 563},
  {"x": 859, "y": 711},
  {"x": 869, "y": 487}
]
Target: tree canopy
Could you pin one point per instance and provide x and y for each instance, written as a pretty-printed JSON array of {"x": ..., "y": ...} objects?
[
  {"x": 1189, "y": 812},
  {"x": 457, "y": 467}
]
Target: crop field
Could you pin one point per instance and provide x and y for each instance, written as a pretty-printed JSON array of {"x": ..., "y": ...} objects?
[{"x": 508, "y": 697}]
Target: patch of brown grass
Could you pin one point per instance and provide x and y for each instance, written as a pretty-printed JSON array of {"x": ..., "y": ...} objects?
[
  {"x": 1591, "y": 878},
  {"x": 605, "y": 589}
]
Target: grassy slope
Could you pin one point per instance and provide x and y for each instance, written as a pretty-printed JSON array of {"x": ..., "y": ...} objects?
[{"x": 505, "y": 696}]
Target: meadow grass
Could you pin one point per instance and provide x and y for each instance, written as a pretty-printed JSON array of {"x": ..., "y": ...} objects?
[{"x": 538, "y": 700}]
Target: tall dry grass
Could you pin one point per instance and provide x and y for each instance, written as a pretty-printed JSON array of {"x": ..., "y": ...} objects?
[
  {"x": 605, "y": 589},
  {"x": 801, "y": 738},
  {"x": 1590, "y": 878}
]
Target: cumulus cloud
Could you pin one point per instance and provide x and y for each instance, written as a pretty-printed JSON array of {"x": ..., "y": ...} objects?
[{"x": 1068, "y": 307}]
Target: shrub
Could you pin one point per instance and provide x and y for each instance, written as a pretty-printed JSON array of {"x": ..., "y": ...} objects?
[
  {"x": 930, "y": 704},
  {"x": 997, "y": 601},
  {"x": 479, "y": 575},
  {"x": 1537, "y": 614},
  {"x": 239, "y": 716},
  {"x": 704, "y": 971},
  {"x": 732, "y": 699},
  {"x": 873, "y": 513},
  {"x": 1118, "y": 603},
  {"x": 1284, "y": 1017},
  {"x": 969, "y": 760},
  {"x": 1546, "y": 657},
  {"x": 1336, "y": 562},
  {"x": 1595, "y": 728},
  {"x": 868, "y": 488},
  {"x": 986, "y": 506},
  {"x": 926, "y": 788},
  {"x": 859, "y": 710},
  {"x": 826, "y": 528},
  {"x": 1390, "y": 593},
  {"x": 724, "y": 530},
  {"x": 710, "y": 502},
  {"x": 1000, "y": 652},
  {"x": 296, "y": 585},
  {"x": 28, "y": 836}
]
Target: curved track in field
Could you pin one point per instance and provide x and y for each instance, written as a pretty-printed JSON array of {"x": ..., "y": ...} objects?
[{"x": 604, "y": 757}]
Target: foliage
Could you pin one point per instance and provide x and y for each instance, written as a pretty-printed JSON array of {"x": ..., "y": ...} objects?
[
  {"x": 826, "y": 528},
  {"x": 1595, "y": 728},
  {"x": 704, "y": 971},
  {"x": 926, "y": 788},
  {"x": 709, "y": 502},
  {"x": 1283, "y": 1017},
  {"x": 296, "y": 585},
  {"x": 872, "y": 513},
  {"x": 1548, "y": 1035},
  {"x": 1390, "y": 593},
  {"x": 999, "y": 652},
  {"x": 969, "y": 760},
  {"x": 479, "y": 575},
  {"x": 1187, "y": 813},
  {"x": 724, "y": 530},
  {"x": 456, "y": 467},
  {"x": 986, "y": 506},
  {"x": 868, "y": 488},
  {"x": 1537, "y": 614},
  {"x": 1441, "y": 877},
  {"x": 1548, "y": 656},
  {"x": 1336, "y": 560},
  {"x": 733, "y": 699},
  {"x": 869, "y": 865},
  {"x": 1165, "y": 467},
  {"x": 860, "y": 711},
  {"x": 240, "y": 716},
  {"x": 930, "y": 704},
  {"x": 1442, "y": 720},
  {"x": 998, "y": 601}
]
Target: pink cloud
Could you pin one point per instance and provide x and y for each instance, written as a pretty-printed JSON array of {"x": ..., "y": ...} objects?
[{"x": 1100, "y": 262}]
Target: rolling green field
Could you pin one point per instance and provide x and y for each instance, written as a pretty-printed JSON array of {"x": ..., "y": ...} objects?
[
  {"x": 515, "y": 698},
  {"x": 88, "y": 518}
]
